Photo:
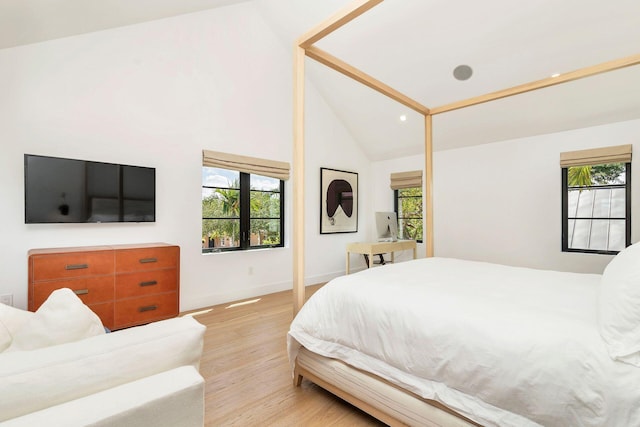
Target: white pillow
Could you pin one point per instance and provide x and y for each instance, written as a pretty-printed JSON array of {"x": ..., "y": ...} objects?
[
  {"x": 620, "y": 306},
  {"x": 5, "y": 338},
  {"x": 11, "y": 320},
  {"x": 62, "y": 318}
]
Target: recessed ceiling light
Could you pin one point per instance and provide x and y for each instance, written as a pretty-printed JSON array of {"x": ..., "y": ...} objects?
[
  {"x": 555, "y": 75},
  {"x": 462, "y": 72},
  {"x": 403, "y": 118}
]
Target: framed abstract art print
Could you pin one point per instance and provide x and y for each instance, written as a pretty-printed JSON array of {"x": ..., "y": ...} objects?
[{"x": 338, "y": 201}]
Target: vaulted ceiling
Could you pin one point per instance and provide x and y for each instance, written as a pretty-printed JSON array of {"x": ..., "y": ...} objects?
[{"x": 414, "y": 46}]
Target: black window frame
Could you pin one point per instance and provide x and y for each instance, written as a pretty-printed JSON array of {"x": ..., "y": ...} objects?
[
  {"x": 396, "y": 205},
  {"x": 565, "y": 212},
  {"x": 245, "y": 216}
]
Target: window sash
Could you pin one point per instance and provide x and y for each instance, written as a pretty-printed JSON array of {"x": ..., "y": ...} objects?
[
  {"x": 397, "y": 201},
  {"x": 570, "y": 219},
  {"x": 244, "y": 219}
]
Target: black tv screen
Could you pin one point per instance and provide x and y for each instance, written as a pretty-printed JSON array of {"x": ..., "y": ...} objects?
[{"x": 58, "y": 190}]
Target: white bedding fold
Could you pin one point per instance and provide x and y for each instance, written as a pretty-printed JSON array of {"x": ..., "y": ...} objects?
[{"x": 501, "y": 345}]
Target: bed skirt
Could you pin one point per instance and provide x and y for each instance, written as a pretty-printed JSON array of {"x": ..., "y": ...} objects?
[{"x": 377, "y": 397}]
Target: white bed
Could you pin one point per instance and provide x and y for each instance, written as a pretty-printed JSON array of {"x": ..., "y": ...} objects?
[{"x": 494, "y": 344}]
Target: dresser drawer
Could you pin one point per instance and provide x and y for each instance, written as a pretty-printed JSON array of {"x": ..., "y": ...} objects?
[
  {"x": 68, "y": 265},
  {"x": 91, "y": 290},
  {"x": 105, "y": 313},
  {"x": 135, "y": 311},
  {"x": 146, "y": 283},
  {"x": 128, "y": 260}
]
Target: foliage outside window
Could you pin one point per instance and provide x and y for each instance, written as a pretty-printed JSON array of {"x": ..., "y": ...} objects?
[
  {"x": 596, "y": 208},
  {"x": 408, "y": 207},
  {"x": 241, "y": 211}
]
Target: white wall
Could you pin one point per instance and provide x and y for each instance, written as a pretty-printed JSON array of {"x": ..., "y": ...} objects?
[
  {"x": 328, "y": 144},
  {"x": 501, "y": 202},
  {"x": 156, "y": 94}
]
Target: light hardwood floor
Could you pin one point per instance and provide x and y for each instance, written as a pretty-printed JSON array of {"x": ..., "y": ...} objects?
[{"x": 247, "y": 373}]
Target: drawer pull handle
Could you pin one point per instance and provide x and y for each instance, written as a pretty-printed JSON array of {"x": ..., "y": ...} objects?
[
  {"x": 149, "y": 283},
  {"x": 148, "y": 260},
  {"x": 81, "y": 291},
  {"x": 76, "y": 266},
  {"x": 147, "y": 308}
]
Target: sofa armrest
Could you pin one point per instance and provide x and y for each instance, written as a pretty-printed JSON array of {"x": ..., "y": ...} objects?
[
  {"x": 169, "y": 399},
  {"x": 38, "y": 379}
]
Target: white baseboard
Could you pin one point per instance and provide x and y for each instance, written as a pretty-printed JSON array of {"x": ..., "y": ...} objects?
[
  {"x": 235, "y": 295},
  {"x": 187, "y": 304},
  {"x": 323, "y": 278}
]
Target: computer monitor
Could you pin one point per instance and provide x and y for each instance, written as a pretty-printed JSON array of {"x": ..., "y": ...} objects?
[{"x": 387, "y": 226}]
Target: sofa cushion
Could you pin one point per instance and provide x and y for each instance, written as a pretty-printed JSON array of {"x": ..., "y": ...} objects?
[
  {"x": 168, "y": 399},
  {"x": 5, "y": 337},
  {"x": 11, "y": 320},
  {"x": 62, "y": 318},
  {"x": 38, "y": 379}
]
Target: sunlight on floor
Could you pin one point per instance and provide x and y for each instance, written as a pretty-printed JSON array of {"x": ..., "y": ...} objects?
[{"x": 238, "y": 304}]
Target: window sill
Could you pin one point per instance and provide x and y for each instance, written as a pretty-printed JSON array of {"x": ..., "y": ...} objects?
[{"x": 241, "y": 251}]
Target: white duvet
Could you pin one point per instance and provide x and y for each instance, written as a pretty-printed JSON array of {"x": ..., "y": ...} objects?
[{"x": 501, "y": 345}]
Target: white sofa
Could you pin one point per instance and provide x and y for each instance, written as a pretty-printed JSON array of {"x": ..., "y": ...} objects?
[{"x": 142, "y": 376}]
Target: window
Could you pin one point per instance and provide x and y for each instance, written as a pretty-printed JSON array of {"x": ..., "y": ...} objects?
[
  {"x": 407, "y": 200},
  {"x": 241, "y": 210},
  {"x": 242, "y": 202},
  {"x": 596, "y": 208},
  {"x": 408, "y": 207}
]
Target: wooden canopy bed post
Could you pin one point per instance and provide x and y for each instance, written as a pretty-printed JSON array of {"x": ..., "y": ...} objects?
[
  {"x": 428, "y": 182},
  {"x": 304, "y": 47},
  {"x": 308, "y": 39},
  {"x": 298, "y": 180}
]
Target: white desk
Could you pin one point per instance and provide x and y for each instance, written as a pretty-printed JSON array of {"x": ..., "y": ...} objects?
[{"x": 372, "y": 248}]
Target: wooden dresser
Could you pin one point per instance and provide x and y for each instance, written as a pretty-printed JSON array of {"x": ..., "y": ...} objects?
[{"x": 125, "y": 285}]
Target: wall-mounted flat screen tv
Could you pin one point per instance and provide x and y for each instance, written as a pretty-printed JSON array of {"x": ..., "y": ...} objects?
[{"x": 58, "y": 190}]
